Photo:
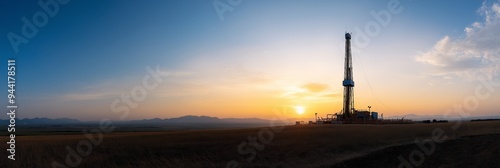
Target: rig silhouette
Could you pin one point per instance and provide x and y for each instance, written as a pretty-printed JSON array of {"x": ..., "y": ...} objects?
[{"x": 349, "y": 114}]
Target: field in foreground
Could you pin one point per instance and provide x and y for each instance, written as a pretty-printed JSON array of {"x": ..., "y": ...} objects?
[
  {"x": 290, "y": 146},
  {"x": 467, "y": 152}
]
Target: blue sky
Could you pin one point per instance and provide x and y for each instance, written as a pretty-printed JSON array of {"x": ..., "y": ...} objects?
[{"x": 92, "y": 51}]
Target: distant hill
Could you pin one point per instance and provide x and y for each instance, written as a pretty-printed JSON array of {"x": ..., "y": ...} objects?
[
  {"x": 245, "y": 120},
  {"x": 439, "y": 117},
  {"x": 194, "y": 119},
  {"x": 43, "y": 121},
  {"x": 208, "y": 120},
  {"x": 189, "y": 119}
]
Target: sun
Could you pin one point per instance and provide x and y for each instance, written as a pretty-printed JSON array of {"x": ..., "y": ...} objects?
[{"x": 299, "y": 109}]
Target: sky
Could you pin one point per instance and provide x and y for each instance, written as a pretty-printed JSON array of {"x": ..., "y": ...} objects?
[{"x": 127, "y": 60}]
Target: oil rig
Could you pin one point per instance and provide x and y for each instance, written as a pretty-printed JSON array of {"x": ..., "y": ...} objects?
[
  {"x": 348, "y": 82},
  {"x": 349, "y": 114}
]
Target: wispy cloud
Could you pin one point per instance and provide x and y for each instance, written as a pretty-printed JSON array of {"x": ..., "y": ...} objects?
[
  {"x": 476, "y": 53},
  {"x": 98, "y": 91},
  {"x": 202, "y": 82},
  {"x": 87, "y": 96},
  {"x": 315, "y": 87},
  {"x": 112, "y": 88},
  {"x": 311, "y": 92}
]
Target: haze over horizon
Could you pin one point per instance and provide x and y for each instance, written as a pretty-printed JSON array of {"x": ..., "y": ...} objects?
[{"x": 425, "y": 58}]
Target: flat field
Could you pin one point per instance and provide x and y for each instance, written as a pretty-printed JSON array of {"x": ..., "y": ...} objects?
[{"x": 289, "y": 146}]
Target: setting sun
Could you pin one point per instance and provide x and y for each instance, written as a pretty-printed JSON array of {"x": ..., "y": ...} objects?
[{"x": 299, "y": 109}]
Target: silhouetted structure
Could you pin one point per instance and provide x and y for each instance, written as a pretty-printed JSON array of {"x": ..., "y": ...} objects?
[
  {"x": 348, "y": 82},
  {"x": 350, "y": 115}
]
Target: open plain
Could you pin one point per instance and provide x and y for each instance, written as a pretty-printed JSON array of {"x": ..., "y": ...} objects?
[{"x": 289, "y": 146}]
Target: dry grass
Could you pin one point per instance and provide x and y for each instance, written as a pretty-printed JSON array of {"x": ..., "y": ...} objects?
[
  {"x": 466, "y": 152},
  {"x": 295, "y": 146}
]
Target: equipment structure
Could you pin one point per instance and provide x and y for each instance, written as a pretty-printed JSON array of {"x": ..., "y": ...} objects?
[
  {"x": 349, "y": 114},
  {"x": 348, "y": 82}
]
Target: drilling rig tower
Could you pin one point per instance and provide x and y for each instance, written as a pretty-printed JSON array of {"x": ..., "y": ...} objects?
[{"x": 348, "y": 83}]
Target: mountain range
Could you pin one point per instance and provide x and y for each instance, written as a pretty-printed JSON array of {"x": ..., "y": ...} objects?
[
  {"x": 439, "y": 117},
  {"x": 189, "y": 119},
  {"x": 206, "y": 120}
]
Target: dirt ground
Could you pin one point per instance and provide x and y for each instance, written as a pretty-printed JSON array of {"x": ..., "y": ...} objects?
[
  {"x": 471, "y": 151},
  {"x": 472, "y": 144}
]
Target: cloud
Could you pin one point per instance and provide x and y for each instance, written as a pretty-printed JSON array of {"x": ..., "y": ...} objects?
[
  {"x": 475, "y": 54},
  {"x": 331, "y": 95},
  {"x": 114, "y": 88},
  {"x": 97, "y": 91},
  {"x": 87, "y": 96},
  {"x": 176, "y": 73},
  {"x": 315, "y": 87},
  {"x": 216, "y": 82}
]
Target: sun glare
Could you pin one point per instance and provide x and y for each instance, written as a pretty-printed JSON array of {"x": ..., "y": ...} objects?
[{"x": 299, "y": 109}]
